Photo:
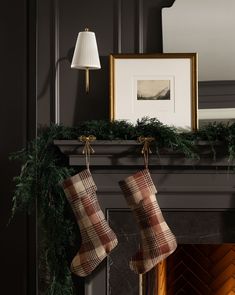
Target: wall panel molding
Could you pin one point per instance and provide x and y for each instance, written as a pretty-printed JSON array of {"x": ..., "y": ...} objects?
[
  {"x": 117, "y": 28},
  {"x": 120, "y": 27},
  {"x": 139, "y": 27},
  {"x": 31, "y": 127},
  {"x": 55, "y": 63}
]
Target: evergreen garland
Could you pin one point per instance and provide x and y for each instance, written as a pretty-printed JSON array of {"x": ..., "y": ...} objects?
[{"x": 44, "y": 167}]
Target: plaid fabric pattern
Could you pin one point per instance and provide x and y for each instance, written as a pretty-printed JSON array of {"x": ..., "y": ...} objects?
[
  {"x": 157, "y": 240},
  {"x": 98, "y": 239}
]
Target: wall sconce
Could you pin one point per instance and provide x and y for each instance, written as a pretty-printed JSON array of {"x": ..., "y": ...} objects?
[{"x": 86, "y": 56}]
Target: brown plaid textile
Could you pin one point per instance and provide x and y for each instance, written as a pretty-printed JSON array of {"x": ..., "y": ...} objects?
[
  {"x": 98, "y": 239},
  {"x": 157, "y": 240}
]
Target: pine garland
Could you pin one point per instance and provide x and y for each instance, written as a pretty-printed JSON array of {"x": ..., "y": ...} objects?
[{"x": 44, "y": 167}]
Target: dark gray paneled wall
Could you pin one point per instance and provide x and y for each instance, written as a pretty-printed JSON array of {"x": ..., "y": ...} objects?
[
  {"x": 13, "y": 89},
  {"x": 130, "y": 26}
]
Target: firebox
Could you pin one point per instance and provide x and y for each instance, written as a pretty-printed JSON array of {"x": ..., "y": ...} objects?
[
  {"x": 203, "y": 262},
  {"x": 200, "y": 269}
]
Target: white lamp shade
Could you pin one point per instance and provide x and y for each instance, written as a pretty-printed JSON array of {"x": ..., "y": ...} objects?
[{"x": 86, "y": 52}]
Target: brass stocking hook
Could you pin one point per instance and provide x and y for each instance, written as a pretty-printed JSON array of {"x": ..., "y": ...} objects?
[
  {"x": 146, "y": 141},
  {"x": 87, "y": 150}
]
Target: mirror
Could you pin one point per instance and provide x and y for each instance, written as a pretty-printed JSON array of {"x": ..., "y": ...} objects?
[{"x": 206, "y": 27}]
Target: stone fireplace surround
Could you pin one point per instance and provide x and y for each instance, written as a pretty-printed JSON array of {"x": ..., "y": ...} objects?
[{"x": 197, "y": 198}]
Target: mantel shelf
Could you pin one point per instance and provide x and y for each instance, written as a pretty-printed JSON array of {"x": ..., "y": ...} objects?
[{"x": 128, "y": 153}]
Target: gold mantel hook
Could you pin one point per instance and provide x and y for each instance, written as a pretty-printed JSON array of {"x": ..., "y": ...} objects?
[
  {"x": 87, "y": 150},
  {"x": 146, "y": 141}
]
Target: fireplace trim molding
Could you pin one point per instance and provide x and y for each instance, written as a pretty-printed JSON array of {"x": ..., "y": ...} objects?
[
  {"x": 209, "y": 177},
  {"x": 184, "y": 185},
  {"x": 128, "y": 153}
]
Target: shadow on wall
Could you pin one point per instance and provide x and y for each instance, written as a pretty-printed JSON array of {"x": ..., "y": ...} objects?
[
  {"x": 89, "y": 106},
  {"x": 95, "y": 104},
  {"x": 50, "y": 78}
]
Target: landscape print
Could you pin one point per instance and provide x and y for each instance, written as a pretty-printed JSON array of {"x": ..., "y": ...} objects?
[{"x": 153, "y": 89}]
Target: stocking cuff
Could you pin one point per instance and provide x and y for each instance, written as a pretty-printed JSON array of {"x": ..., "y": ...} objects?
[
  {"x": 138, "y": 187},
  {"x": 79, "y": 185}
]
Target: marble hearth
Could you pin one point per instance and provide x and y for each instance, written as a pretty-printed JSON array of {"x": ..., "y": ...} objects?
[{"x": 197, "y": 198}]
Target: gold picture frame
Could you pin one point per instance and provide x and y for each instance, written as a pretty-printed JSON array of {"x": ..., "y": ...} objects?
[{"x": 155, "y": 85}]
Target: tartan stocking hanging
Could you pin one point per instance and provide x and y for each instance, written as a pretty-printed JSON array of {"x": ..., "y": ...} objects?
[
  {"x": 157, "y": 241},
  {"x": 98, "y": 239}
]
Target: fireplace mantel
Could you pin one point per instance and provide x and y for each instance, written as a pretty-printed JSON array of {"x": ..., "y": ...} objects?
[
  {"x": 128, "y": 153},
  {"x": 197, "y": 197},
  {"x": 183, "y": 183}
]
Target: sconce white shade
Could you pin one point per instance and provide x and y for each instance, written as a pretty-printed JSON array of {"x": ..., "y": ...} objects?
[{"x": 86, "y": 54}]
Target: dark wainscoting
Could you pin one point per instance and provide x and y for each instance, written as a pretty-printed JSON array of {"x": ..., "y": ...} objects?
[
  {"x": 17, "y": 126},
  {"x": 130, "y": 26}
]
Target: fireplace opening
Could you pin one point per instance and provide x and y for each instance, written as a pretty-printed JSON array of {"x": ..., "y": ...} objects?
[
  {"x": 200, "y": 269},
  {"x": 203, "y": 263}
]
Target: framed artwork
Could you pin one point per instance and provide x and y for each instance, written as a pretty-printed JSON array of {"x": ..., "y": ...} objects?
[{"x": 162, "y": 86}]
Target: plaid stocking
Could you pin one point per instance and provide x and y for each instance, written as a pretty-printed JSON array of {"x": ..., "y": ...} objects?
[
  {"x": 157, "y": 241},
  {"x": 98, "y": 239}
]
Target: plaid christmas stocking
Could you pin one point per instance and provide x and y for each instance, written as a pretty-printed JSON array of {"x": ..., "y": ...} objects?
[
  {"x": 98, "y": 239},
  {"x": 157, "y": 241}
]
